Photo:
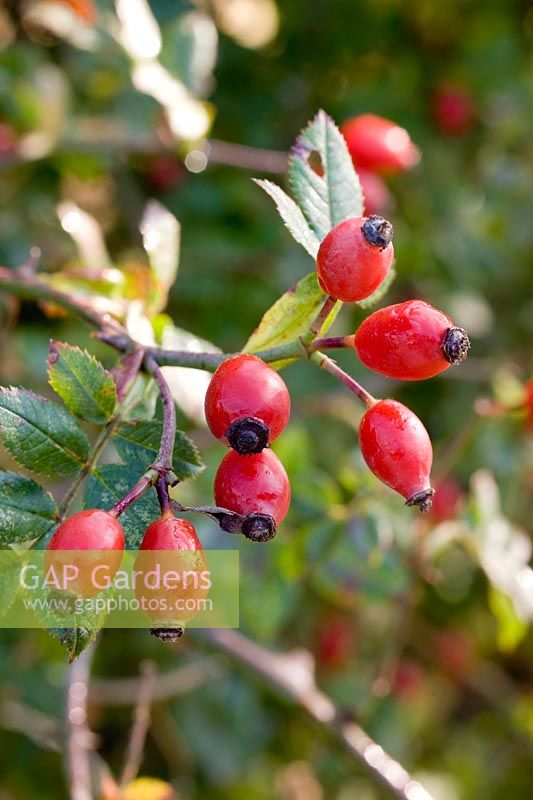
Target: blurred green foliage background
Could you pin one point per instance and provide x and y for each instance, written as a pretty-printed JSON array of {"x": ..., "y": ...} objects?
[{"x": 414, "y": 630}]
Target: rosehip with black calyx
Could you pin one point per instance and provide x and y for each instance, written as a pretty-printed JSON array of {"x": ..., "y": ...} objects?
[
  {"x": 410, "y": 341},
  {"x": 170, "y": 604},
  {"x": 253, "y": 485},
  {"x": 100, "y": 536},
  {"x": 355, "y": 257},
  {"x": 378, "y": 144},
  {"x": 247, "y": 404},
  {"x": 397, "y": 448},
  {"x": 259, "y": 527}
]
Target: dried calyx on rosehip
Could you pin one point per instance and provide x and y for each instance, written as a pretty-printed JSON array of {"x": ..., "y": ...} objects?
[
  {"x": 397, "y": 448},
  {"x": 247, "y": 404},
  {"x": 355, "y": 257},
  {"x": 410, "y": 341},
  {"x": 259, "y": 527}
]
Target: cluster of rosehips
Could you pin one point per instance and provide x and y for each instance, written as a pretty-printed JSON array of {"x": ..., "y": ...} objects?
[
  {"x": 100, "y": 536},
  {"x": 407, "y": 341},
  {"x": 247, "y": 406}
]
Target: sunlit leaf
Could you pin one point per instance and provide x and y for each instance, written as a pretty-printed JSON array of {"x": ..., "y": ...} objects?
[
  {"x": 292, "y": 216},
  {"x": 334, "y": 196},
  {"x": 161, "y": 238},
  {"x": 82, "y": 383}
]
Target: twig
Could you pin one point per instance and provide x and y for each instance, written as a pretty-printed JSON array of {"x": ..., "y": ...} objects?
[
  {"x": 330, "y": 366},
  {"x": 78, "y": 735},
  {"x": 245, "y": 157},
  {"x": 293, "y": 675},
  {"x": 141, "y": 723},
  {"x": 168, "y": 435},
  {"x": 331, "y": 343},
  {"x": 317, "y": 324},
  {"x": 177, "y": 682}
]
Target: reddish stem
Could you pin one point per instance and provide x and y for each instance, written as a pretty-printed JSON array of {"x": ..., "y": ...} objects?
[
  {"x": 330, "y": 366},
  {"x": 331, "y": 343}
]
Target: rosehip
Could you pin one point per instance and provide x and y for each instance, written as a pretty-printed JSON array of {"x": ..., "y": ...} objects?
[
  {"x": 397, "y": 448},
  {"x": 335, "y": 642},
  {"x": 454, "y": 110},
  {"x": 529, "y": 403},
  {"x": 375, "y": 192},
  {"x": 255, "y": 484},
  {"x": 378, "y": 144},
  {"x": 100, "y": 534},
  {"x": 166, "y": 599},
  {"x": 355, "y": 257},
  {"x": 410, "y": 341},
  {"x": 247, "y": 404}
]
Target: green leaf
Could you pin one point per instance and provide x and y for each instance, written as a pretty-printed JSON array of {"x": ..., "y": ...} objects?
[
  {"x": 75, "y": 640},
  {"x": 81, "y": 382},
  {"x": 9, "y": 582},
  {"x": 161, "y": 239},
  {"x": 107, "y": 484},
  {"x": 334, "y": 196},
  {"x": 292, "y": 216},
  {"x": 39, "y": 434},
  {"x": 139, "y": 444},
  {"x": 27, "y": 511},
  {"x": 290, "y": 316},
  {"x": 381, "y": 291},
  {"x": 511, "y": 628}
]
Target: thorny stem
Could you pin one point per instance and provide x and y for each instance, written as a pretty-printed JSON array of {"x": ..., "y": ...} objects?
[
  {"x": 330, "y": 366},
  {"x": 168, "y": 437}
]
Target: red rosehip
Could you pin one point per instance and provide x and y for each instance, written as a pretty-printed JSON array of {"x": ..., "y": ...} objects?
[
  {"x": 100, "y": 534},
  {"x": 410, "y": 341},
  {"x": 454, "y": 110},
  {"x": 247, "y": 404},
  {"x": 335, "y": 642},
  {"x": 529, "y": 404},
  {"x": 375, "y": 192},
  {"x": 165, "y": 173},
  {"x": 378, "y": 144},
  {"x": 397, "y": 448},
  {"x": 355, "y": 257},
  {"x": 255, "y": 484},
  {"x": 408, "y": 679},
  {"x": 170, "y": 601}
]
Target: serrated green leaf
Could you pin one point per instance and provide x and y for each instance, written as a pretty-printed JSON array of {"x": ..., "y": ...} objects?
[
  {"x": 161, "y": 239},
  {"x": 290, "y": 316},
  {"x": 27, "y": 511},
  {"x": 39, "y": 434},
  {"x": 292, "y": 216},
  {"x": 107, "y": 484},
  {"x": 75, "y": 640},
  {"x": 81, "y": 382},
  {"x": 381, "y": 291},
  {"x": 334, "y": 196},
  {"x": 139, "y": 444}
]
